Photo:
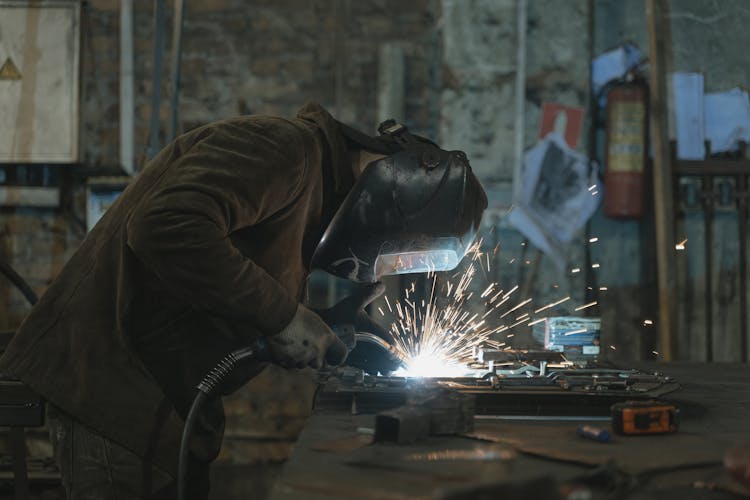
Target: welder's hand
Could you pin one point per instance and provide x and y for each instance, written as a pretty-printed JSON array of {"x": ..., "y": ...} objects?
[
  {"x": 351, "y": 311},
  {"x": 737, "y": 463},
  {"x": 306, "y": 341}
]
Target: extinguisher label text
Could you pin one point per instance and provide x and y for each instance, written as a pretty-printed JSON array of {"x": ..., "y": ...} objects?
[{"x": 626, "y": 137}]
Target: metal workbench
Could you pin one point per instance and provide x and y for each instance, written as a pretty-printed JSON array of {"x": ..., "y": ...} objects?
[{"x": 533, "y": 459}]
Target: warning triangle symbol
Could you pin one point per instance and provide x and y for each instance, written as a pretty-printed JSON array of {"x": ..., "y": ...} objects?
[{"x": 9, "y": 70}]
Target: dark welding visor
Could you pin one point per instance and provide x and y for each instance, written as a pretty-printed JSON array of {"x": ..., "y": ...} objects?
[{"x": 416, "y": 210}]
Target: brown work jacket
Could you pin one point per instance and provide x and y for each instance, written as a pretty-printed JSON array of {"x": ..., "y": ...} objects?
[{"x": 207, "y": 249}]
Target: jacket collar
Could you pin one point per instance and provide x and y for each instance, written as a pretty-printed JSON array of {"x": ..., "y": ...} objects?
[{"x": 343, "y": 178}]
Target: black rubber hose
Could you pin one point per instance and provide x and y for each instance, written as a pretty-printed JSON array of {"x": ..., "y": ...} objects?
[
  {"x": 182, "y": 471},
  {"x": 206, "y": 388},
  {"x": 20, "y": 283}
]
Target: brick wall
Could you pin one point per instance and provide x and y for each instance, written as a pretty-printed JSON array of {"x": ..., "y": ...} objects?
[
  {"x": 261, "y": 56},
  {"x": 239, "y": 57}
]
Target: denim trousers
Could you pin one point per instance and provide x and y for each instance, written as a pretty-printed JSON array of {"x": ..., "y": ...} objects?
[{"x": 93, "y": 467}]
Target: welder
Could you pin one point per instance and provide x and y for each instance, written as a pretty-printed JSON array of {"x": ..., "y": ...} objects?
[{"x": 209, "y": 249}]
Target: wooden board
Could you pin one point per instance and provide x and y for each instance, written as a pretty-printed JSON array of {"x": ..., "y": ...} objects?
[{"x": 39, "y": 102}]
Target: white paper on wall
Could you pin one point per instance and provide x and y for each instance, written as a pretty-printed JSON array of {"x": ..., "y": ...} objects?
[
  {"x": 727, "y": 119},
  {"x": 559, "y": 193},
  {"x": 689, "y": 117}
]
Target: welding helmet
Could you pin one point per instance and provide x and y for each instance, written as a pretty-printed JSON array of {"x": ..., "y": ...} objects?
[{"x": 415, "y": 210}]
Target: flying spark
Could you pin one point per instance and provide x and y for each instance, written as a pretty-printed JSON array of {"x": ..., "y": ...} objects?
[
  {"x": 516, "y": 307},
  {"x": 573, "y": 332},
  {"x": 681, "y": 245},
  {"x": 536, "y": 321},
  {"x": 436, "y": 336},
  {"x": 586, "y": 306},
  {"x": 437, "y": 328},
  {"x": 548, "y": 306}
]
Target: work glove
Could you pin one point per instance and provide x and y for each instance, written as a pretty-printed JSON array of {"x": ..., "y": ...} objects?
[
  {"x": 349, "y": 316},
  {"x": 351, "y": 312},
  {"x": 306, "y": 341}
]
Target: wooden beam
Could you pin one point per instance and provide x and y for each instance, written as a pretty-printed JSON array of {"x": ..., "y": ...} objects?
[
  {"x": 29, "y": 196},
  {"x": 658, "y": 43}
]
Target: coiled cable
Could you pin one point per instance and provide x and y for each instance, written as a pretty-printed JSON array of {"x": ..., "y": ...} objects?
[{"x": 206, "y": 388}]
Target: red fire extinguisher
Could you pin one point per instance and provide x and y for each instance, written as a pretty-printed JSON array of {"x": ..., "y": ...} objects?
[{"x": 626, "y": 149}]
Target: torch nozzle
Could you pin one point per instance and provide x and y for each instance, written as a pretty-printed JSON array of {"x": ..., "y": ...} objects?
[{"x": 383, "y": 344}]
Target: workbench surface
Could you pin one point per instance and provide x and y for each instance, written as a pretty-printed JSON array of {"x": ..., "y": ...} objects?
[{"x": 534, "y": 459}]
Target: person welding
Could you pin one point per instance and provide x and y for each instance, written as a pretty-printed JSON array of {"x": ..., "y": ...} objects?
[{"x": 209, "y": 249}]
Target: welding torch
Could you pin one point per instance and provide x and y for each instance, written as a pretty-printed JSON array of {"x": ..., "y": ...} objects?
[
  {"x": 255, "y": 353},
  {"x": 351, "y": 337},
  {"x": 353, "y": 325},
  {"x": 208, "y": 386}
]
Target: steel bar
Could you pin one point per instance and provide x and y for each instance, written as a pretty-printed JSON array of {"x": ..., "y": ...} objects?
[
  {"x": 659, "y": 41},
  {"x": 127, "y": 91},
  {"x": 179, "y": 16},
  {"x": 742, "y": 196},
  {"x": 153, "y": 144},
  {"x": 708, "y": 215},
  {"x": 519, "y": 122},
  {"x": 717, "y": 166}
]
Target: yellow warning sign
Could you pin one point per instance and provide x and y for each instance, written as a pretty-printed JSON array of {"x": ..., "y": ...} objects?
[{"x": 9, "y": 71}]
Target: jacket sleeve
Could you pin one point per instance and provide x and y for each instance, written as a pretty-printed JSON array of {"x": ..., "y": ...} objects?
[{"x": 232, "y": 179}]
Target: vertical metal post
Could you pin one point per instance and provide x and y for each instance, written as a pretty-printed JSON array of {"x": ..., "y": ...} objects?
[
  {"x": 519, "y": 124},
  {"x": 179, "y": 15},
  {"x": 391, "y": 83},
  {"x": 742, "y": 195},
  {"x": 153, "y": 144},
  {"x": 708, "y": 216},
  {"x": 592, "y": 290},
  {"x": 436, "y": 76},
  {"x": 658, "y": 39},
  {"x": 341, "y": 8},
  {"x": 127, "y": 100}
]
